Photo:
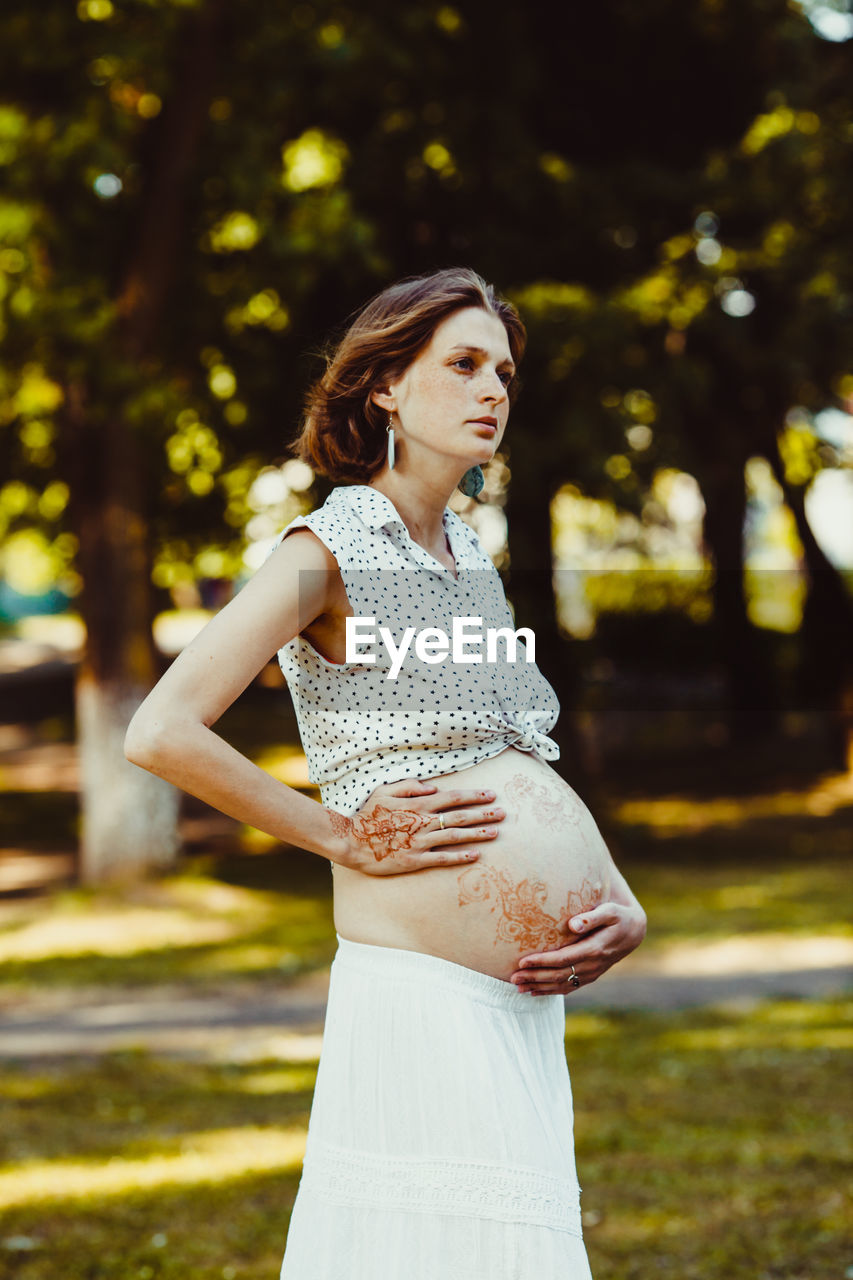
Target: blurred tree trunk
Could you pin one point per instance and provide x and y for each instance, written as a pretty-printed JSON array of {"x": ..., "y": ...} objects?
[
  {"x": 130, "y": 817},
  {"x": 826, "y": 664},
  {"x": 752, "y": 702},
  {"x": 530, "y": 587}
]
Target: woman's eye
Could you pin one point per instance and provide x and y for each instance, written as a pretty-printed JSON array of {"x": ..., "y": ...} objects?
[{"x": 505, "y": 375}]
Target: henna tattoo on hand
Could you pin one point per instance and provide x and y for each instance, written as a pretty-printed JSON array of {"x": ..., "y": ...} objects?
[
  {"x": 384, "y": 831},
  {"x": 341, "y": 824}
]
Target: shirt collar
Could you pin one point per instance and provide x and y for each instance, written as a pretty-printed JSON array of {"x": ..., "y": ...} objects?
[
  {"x": 373, "y": 508},
  {"x": 377, "y": 511}
]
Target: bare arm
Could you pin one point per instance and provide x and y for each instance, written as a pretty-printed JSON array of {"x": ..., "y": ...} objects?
[{"x": 170, "y": 733}]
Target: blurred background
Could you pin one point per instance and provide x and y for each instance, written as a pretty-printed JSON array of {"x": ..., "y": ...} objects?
[{"x": 195, "y": 197}]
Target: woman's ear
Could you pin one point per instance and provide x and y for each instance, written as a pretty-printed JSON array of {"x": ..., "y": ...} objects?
[{"x": 382, "y": 396}]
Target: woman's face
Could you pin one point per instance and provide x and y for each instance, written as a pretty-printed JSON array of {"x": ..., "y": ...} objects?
[{"x": 462, "y": 376}]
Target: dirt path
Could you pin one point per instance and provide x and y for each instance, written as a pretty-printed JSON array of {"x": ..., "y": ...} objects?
[{"x": 252, "y": 1021}]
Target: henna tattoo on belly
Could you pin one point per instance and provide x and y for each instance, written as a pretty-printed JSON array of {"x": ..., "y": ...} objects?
[
  {"x": 520, "y": 906},
  {"x": 554, "y": 809},
  {"x": 384, "y": 831}
]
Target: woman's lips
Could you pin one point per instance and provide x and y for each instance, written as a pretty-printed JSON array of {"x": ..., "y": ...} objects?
[{"x": 485, "y": 426}]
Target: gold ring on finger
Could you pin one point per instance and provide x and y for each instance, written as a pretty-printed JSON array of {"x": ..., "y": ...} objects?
[
  {"x": 574, "y": 979},
  {"x": 441, "y": 821}
]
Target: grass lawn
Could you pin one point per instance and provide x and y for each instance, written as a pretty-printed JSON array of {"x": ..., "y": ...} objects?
[
  {"x": 262, "y": 918},
  {"x": 710, "y": 1144},
  {"x": 715, "y": 1144}
]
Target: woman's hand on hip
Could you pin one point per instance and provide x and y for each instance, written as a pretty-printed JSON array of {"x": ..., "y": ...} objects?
[
  {"x": 599, "y": 938},
  {"x": 407, "y": 826}
]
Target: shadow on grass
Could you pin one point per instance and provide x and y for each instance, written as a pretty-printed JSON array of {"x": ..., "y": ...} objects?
[
  {"x": 233, "y": 1230},
  {"x": 711, "y": 1152},
  {"x": 286, "y": 950},
  {"x": 710, "y": 1144},
  {"x": 134, "y": 1115},
  {"x": 277, "y": 924},
  {"x": 137, "y": 1105}
]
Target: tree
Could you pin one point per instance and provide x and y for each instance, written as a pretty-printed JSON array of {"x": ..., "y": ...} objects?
[
  {"x": 121, "y": 237},
  {"x": 752, "y": 214},
  {"x": 197, "y": 192}
]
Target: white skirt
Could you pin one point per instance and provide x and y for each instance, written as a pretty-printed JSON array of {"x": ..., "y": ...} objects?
[{"x": 440, "y": 1141}]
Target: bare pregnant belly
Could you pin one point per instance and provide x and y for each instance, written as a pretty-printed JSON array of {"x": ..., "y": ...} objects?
[{"x": 547, "y": 863}]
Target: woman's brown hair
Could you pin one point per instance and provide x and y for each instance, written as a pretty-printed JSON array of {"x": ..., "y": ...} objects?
[{"x": 343, "y": 431}]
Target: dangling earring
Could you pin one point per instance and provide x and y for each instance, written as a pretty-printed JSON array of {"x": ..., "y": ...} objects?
[
  {"x": 390, "y": 430},
  {"x": 472, "y": 482}
]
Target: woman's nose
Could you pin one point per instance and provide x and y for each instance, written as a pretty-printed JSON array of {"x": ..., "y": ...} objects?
[{"x": 495, "y": 390}]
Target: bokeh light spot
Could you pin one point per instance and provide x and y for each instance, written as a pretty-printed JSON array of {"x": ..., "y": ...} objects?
[
  {"x": 707, "y": 223},
  {"x": 708, "y": 251},
  {"x": 331, "y": 35},
  {"x": 199, "y": 482},
  {"x": 235, "y": 413},
  {"x": 437, "y": 156},
  {"x": 738, "y": 302},
  {"x": 639, "y": 437},
  {"x": 95, "y": 10},
  {"x": 556, "y": 166},
  {"x": 107, "y": 185},
  {"x": 237, "y": 231},
  {"x": 829, "y": 23},
  {"x": 149, "y": 106},
  {"x": 314, "y": 159},
  {"x": 618, "y": 467},
  {"x": 222, "y": 382},
  {"x": 448, "y": 20}
]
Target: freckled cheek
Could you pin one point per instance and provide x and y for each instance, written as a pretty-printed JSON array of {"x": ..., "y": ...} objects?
[
  {"x": 429, "y": 379},
  {"x": 440, "y": 387}
]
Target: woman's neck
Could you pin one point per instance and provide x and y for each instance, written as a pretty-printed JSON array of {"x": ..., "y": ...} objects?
[{"x": 421, "y": 505}]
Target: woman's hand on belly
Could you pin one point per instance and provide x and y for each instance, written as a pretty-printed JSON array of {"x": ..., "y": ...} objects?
[
  {"x": 399, "y": 830},
  {"x": 607, "y": 934}
]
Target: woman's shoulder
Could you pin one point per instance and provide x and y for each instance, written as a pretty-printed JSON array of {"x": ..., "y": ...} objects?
[
  {"x": 345, "y": 506},
  {"x": 300, "y": 547},
  {"x": 337, "y": 526}
]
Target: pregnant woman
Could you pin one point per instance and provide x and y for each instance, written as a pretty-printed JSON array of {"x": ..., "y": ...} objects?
[{"x": 472, "y": 889}]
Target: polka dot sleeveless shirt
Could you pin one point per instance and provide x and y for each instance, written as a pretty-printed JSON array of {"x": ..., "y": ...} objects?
[{"x": 360, "y": 725}]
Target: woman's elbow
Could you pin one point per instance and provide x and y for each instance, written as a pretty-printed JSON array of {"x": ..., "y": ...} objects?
[{"x": 143, "y": 741}]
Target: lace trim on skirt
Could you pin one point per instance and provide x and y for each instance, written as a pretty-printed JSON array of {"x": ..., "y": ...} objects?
[{"x": 471, "y": 1189}]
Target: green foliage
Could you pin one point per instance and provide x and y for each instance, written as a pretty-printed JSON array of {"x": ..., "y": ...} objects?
[{"x": 341, "y": 147}]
